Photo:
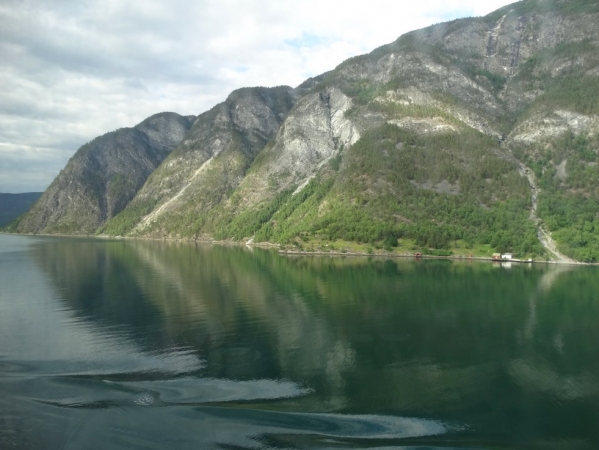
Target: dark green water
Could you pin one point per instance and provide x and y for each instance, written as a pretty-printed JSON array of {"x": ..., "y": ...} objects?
[{"x": 121, "y": 344}]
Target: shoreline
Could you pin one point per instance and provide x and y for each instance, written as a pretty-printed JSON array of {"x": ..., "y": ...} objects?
[
  {"x": 332, "y": 253},
  {"x": 450, "y": 257}
]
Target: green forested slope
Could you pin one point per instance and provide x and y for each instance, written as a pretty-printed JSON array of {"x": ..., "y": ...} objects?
[{"x": 383, "y": 189}]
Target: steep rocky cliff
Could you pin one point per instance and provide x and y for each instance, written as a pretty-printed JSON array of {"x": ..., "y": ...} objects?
[
  {"x": 103, "y": 176},
  {"x": 208, "y": 165},
  {"x": 476, "y": 133}
]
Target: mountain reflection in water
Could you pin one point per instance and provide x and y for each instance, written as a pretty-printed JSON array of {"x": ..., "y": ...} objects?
[{"x": 132, "y": 344}]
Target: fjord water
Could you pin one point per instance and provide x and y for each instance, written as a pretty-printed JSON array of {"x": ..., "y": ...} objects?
[{"x": 134, "y": 344}]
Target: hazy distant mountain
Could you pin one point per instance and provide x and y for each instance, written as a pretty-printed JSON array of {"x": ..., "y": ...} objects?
[
  {"x": 479, "y": 131},
  {"x": 13, "y": 205}
]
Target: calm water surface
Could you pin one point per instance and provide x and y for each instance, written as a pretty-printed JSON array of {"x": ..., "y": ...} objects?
[{"x": 122, "y": 344}]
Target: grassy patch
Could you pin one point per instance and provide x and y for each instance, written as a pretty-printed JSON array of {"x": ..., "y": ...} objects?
[{"x": 126, "y": 220}]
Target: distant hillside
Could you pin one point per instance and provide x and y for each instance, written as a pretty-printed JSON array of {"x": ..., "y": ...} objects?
[{"x": 13, "y": 205}]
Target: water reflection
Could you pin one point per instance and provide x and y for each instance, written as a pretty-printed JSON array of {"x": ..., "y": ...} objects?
[{"x": 276, "y": 348}]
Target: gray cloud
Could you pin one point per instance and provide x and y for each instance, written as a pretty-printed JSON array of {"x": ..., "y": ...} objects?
[{"x": 71, "y": 70}]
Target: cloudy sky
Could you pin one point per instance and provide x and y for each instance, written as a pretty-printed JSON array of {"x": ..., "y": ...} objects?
[{"x": 73, "y": 70}]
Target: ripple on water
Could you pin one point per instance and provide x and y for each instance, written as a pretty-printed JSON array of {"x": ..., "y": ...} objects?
[
  {"x": 208, "y": 390},
  {"x": 145, "y": 399},
  {"x": 335, "y": 425}
]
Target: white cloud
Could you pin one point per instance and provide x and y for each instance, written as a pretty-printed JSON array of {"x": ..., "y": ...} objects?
[{"x": 73, "y": 70}]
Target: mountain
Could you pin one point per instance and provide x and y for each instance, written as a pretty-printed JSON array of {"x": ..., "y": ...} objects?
[
  {"x": 103, "y": 176},
  {"x": 469, "y": 136},
  {"x": 13, "y": 205},
  {"x": 208, "y": 165}
]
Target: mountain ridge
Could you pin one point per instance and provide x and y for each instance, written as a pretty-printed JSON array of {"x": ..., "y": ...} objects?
[
  {"x": 103, "y": 176},
  {"x": 428, "y": 139}
]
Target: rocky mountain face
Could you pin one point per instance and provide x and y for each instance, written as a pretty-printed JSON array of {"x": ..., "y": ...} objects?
[
  {"x": 479, "y": 133},
  {"x": 208, "y": 165},
  {"x": 103, "y": 176}
]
